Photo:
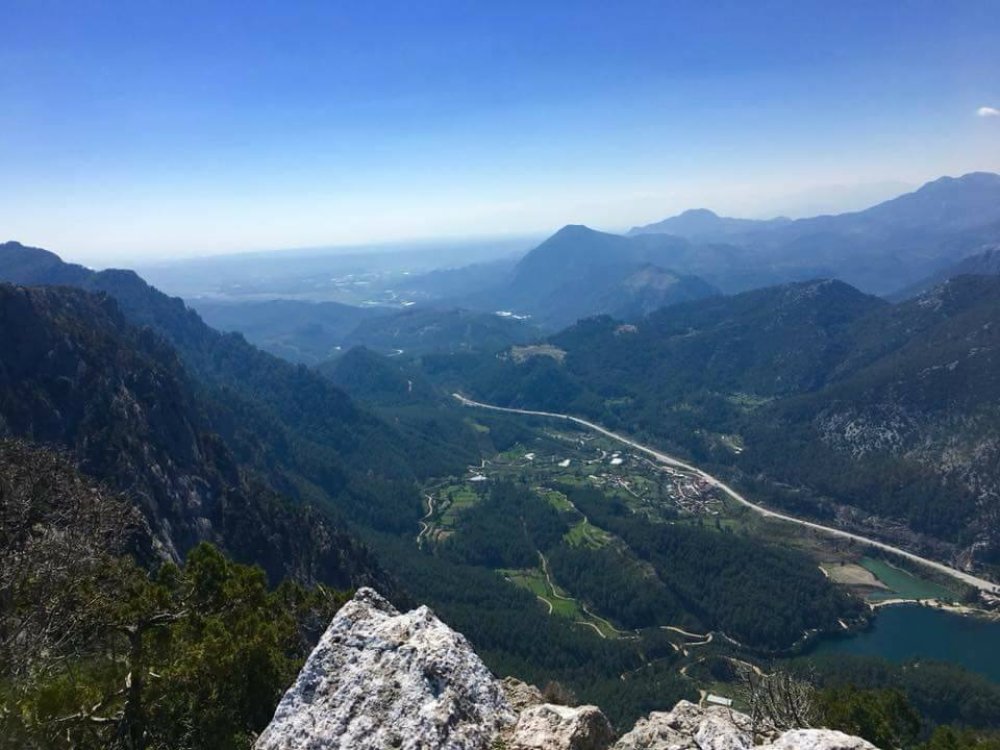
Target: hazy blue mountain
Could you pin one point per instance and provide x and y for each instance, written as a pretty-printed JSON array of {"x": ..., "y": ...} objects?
[
  {"x": 986, "y": 263},
  {"x": 705, "y": 225},
  {"x": 579, "y": 272},
  {"x": 880, "y": 249},
  {"x": 299, "y": 331}
]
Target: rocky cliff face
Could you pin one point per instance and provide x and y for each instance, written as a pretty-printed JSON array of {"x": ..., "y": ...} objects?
[{"x": 382, "y": 679}]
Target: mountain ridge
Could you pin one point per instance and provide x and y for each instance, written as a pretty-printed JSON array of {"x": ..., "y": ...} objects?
[
  {"x": 74, "y": 373},
  {"x": 879, "y": 249},
  {"x": 858, "y": 408}
]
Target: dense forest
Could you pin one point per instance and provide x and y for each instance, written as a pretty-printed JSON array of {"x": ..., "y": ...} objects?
[
  {"x": 97, "y": 651},
  {"x": 763, "y": 597},
  {"x": 840, "y": 396},
  {"x": 202, "y": 438}
]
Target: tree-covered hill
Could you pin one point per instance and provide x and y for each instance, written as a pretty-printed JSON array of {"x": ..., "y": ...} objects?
[
  {"x": 841, "y": 397},
  {"x": 910, "y": 428},
  {"x": 104, "y": 645},
  {"x": 289, "y": 423},
  {"x": 75, "y": 374},
  {"x": 297, "y": 330},
  {"x": 579, "y": 272},
  {"x": 418, "y": 330}
]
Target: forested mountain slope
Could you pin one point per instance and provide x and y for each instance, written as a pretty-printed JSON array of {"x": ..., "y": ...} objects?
[
  {"x": 909, "y": 429},
  {"x": 841, "y": 399},
  {"x": 579, "y": 272},
  {"x": 296, "y": 330},
  {"x": 985, "y": 263},
  {"x": 307, "y": 437},
  {"x": 74, "y": 373},
  {"x": 422, "y": 329}
]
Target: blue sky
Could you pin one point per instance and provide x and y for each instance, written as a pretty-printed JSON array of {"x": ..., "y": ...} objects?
[{"x": 139, "y": 130}]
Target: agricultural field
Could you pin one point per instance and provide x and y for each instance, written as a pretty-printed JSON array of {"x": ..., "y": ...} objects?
[
  {"x": 562, "y": 466},
  {"x": 575, "y": 458}
]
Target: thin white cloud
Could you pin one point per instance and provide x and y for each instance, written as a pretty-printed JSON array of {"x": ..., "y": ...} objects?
[{"x": 988, "y": 112}]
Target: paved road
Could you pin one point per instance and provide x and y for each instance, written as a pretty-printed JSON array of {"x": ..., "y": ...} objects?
[{"x": 967, "y": 578}]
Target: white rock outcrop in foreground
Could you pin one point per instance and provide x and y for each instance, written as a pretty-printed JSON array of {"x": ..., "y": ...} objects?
[
  {"x": 691, "y": 727},
  {"x": 380, "y": 679},
  {"x": 550, "y": 727},
  {"x": 819, "y": 739}
]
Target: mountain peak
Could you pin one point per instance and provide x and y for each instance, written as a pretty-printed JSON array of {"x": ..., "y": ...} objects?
[
  {"x": 699, "y": 213},
  {"x": 968, "y": 180},
  {"x": 574, "y": 230}
]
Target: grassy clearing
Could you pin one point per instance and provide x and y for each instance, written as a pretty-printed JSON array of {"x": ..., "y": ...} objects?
[
  {"x": 850, "y": 574},
  {"x": 557, "y": 500},
  {"x": 585, "y": 534},
  {"x": 534, "y": 580},
  {"x": 903, "y": 584},
  {"x": 559, "y": 601},
  {"x": 521, "y": 354}
]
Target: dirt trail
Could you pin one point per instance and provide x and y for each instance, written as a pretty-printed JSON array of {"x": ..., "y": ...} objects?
[{"x": 548, "y": 579}]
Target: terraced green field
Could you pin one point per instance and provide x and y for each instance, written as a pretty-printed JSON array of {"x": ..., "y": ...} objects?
[{"x": 585, "y": 534}]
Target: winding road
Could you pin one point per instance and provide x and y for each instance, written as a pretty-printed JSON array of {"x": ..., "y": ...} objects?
[
  {"x": 980, "y": 583},
  {"x": 425, "y": 525}
]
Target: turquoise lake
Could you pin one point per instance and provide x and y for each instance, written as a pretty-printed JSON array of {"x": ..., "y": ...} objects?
[{"x": 908, "y": 631}]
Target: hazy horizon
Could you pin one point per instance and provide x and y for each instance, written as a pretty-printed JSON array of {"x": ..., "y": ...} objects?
[{"x": 136, "y": 134}]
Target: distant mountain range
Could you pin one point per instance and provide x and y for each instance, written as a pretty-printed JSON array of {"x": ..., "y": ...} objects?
[
  {"x": 706, "y": 226},
  {"x": 219, "y": 432},
  {"x": 880, "y": 250},
  {"x": 576, "y": 273},
  {"x": 986, "y": 263},
  {"x": 579, "y": 272},
  {"x": 894, "y": 249}
]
